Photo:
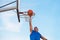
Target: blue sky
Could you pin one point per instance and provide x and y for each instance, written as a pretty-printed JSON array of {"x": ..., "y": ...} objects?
[{"x": 47, "y": 19}]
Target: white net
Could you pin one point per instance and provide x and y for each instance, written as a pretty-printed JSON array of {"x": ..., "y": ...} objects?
[{"x": 27, "y": 19}]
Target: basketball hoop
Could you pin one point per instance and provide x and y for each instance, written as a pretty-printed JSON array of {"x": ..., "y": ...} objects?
[{"x": 27, "y": 15}]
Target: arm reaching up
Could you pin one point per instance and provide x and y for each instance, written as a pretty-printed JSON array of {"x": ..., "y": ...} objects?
[{"x": 30, "y": 24}]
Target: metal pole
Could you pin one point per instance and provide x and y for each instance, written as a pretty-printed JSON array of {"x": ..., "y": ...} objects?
[
  {"x": 17, "y": 10},
  {"x": 7, "y": 4},
  {"x": 7, "y": 9}
]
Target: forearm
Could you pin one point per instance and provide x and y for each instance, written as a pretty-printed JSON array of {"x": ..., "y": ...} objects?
[
  {"x": 43, "y": 38},
  {"x": 30, "y": 25}
]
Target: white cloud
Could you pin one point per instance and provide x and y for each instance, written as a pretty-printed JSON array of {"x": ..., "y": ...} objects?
[
  {"x": 11, "y": 38},
  {"x": 10, "y": 26}
]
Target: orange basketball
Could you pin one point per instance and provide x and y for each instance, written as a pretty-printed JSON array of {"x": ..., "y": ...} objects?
[{"x": 30, "y": 13}]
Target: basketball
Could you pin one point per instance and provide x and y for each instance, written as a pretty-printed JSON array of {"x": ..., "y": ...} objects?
[{"x": 30, "y": 13}]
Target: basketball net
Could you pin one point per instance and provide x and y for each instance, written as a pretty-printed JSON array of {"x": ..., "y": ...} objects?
[
  {"x": 27, "y": 19},
  {"x": 27, "y": 15}
]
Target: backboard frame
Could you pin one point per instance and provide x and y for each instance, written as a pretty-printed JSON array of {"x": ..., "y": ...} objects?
[
  {"x": 2, "y": 9},
  {"x": 17, "y": 3}
]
